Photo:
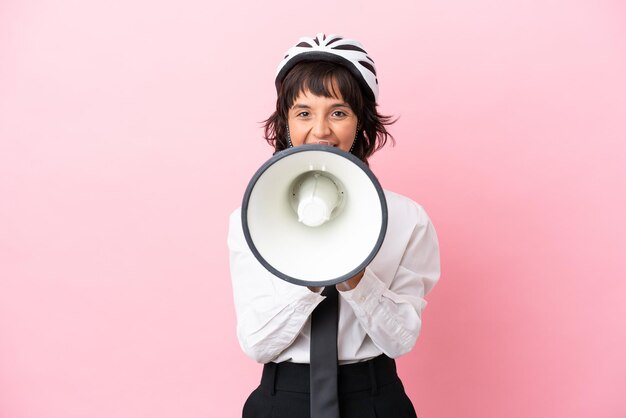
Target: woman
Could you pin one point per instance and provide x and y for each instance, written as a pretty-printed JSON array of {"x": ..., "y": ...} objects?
[{"x": 327, "y": 92}]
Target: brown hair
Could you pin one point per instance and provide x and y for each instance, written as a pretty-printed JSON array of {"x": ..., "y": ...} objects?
[{"x": 319, "y": 77}]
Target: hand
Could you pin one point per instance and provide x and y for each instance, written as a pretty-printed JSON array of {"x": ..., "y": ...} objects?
[{"x": 350, "y": 283}]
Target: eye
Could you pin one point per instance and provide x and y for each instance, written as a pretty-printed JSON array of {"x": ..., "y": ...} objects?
[
  {"x": 339, "y": 114},
  {"x": 302, "y": 114}
]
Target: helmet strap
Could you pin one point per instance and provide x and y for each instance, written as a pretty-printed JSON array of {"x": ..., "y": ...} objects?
[
  {"x": 356, "y": 137},
  {"x": 289, "y": 144}
]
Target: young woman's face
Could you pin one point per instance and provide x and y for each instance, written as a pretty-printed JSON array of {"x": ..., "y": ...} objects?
[{"x": 322, "y": 120}]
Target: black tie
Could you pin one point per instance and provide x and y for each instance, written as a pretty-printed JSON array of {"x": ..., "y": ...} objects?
[{"x": 324, "y": 323}]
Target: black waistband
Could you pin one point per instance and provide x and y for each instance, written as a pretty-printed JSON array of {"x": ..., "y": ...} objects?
[{"x": 365, "y": 375}]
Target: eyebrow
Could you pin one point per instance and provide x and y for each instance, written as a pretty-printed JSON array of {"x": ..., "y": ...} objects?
[{"x": 304, "y": 106}]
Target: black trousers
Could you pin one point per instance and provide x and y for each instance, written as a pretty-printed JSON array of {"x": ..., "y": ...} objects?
[{"x": 370, "y": 389}]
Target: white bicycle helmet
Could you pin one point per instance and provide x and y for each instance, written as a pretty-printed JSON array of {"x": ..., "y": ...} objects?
[{"x": 332, "y": 48}]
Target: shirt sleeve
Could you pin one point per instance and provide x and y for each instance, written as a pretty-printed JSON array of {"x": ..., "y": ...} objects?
[
  {"x": 270, "y": 311},
  {"x": 391, "y": 313}
]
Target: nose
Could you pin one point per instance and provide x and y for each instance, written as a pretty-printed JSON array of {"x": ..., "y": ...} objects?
[{"x": 321, "y": 129}]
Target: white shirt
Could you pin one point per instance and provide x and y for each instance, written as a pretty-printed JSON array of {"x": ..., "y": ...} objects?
[{"x": 382, "y": 314}]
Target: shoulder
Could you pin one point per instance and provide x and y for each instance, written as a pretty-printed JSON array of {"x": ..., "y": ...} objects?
[
  {"x": 234, "y": 220},
  {"x": 405, "y": 208},
  {"x": 235, "y": 215},
  {"x": 235, "y": 230}
]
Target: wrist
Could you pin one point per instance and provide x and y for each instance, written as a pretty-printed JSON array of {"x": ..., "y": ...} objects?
[{"x": 351, "y": 283}]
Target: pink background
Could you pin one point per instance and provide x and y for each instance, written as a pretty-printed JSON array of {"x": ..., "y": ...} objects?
[{"x": 129, "y": 130}]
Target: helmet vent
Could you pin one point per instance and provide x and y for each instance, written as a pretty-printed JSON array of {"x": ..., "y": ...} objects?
[
  {"x": 332, "y": 41},
  {"x": 349, "y": 48},
  {"x": 368, "y": 66}
]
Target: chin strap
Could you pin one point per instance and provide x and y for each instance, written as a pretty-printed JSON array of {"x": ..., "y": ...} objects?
[
  {"x": 356, "y": 137},
  {"x": 290, "y": 145}
]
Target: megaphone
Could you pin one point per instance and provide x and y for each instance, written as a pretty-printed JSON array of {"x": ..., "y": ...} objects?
[{"x": 314, "y": 215}]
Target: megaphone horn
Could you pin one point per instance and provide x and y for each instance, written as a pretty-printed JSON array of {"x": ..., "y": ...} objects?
[{"x": 314, "y": 215}]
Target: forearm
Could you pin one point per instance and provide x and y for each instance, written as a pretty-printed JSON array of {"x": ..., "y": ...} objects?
[
  {"x": 265, "y": 333},
  {"x": 391, "y": 320}
]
